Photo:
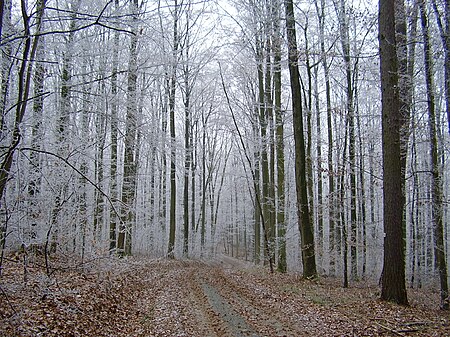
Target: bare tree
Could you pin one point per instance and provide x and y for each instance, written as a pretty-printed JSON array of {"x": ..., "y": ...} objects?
[
  {"x": 172, "y": 90},
  {"x": 393, "y": 277},
  {"x": 30, "y": 47},
  {"x": 305, "y": 226},
  {"x": 436, "y": 181}
]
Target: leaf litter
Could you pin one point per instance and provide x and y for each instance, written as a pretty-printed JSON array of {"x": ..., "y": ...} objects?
[{"x": 158, "y": 297}]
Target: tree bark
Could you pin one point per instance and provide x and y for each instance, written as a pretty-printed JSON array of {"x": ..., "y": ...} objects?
[
  {"x": 114, "y": 134},
  {"x": 437, "y": 193},
  {"x": 24, "y": 82},
  {"x": 187, "y": 138},
  {"x": 279, "y": 141},
  {"x": 331, "y": 193},
  {"x": 6, "y": 63},
  {"x": 345, "y": 43},
  {"x": 305, "y": 226},
  {"x": 444, "y": 29},
  {"x": 129, "y": 169},
  {"x": 393, "y": 276},
  {"x": 173, "y": 193}
]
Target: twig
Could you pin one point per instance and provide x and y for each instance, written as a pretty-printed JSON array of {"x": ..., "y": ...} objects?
[
  {"x": 416, "y": 323},
  {"x": 258, "y": 200},
  {"x": 7, "y": 300},
  {"x": 78, "y": 172},
  {"x": 408, "y": 330},
  {"x": 389, "y": 329}
]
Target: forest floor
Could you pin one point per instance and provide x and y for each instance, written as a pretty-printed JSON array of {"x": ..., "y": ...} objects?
[{"x": 139, "y": 297}]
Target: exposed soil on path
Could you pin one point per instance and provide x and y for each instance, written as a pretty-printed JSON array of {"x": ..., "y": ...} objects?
[{"x": 190, "y": 298}]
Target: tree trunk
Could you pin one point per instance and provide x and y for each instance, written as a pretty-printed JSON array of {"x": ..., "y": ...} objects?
[
  {"x": 99, "y": 199},
  {"x": 305, "y": 226},
  {"x": 6, "y": 64},
  {"x": 204, "y": 182},
  {"x": 173, "y": 193},
  {"x": 257, "y": 213},
  {"x": 445, "y": 38},
  {"x": 187, "y": 158},
  {"x": 269, "y": 142},
  {"x": 437, "y": 193},
  {"x": 128, "y": 215},
  {"x": 345, "y": 42},
  {"x": 279, "y": 140},
  {"x": 393, "y": 276},
  {"x": 331, "y": 196},
  {"x": 82, "y": 202},
  {"x": 114, "y": 134},
  {"x": 34, "y": 187},
  {"x": 342, "y": 220},
  {"x": 24, "y": 82},
  {"x": 320, "y": 208},
  {"x": 263, "y": 106},
  {"x": 308, "y": 104}
]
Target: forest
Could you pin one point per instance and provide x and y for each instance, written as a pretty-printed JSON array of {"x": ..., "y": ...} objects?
[{"x": 306, "y": 137}]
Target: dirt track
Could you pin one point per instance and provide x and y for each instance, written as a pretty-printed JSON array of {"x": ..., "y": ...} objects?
[
  {"x": 205, "y": 300},
  {"x": 192, "y": 298}
]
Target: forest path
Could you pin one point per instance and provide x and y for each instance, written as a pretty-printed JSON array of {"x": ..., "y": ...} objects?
[
  {"x": 198, "y": 299},
  {"x": 228, "y": 297},
  {"x": 225, "y": 297}
]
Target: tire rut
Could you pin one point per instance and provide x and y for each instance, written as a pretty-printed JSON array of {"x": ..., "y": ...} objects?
[
  {"x": 187, "y": 306},
  {"x": 261, "y": 317},
  {"x": 235, "y": 322},
  {"x": 197, "y": 299},
  {"x": 258, "y": 322}
]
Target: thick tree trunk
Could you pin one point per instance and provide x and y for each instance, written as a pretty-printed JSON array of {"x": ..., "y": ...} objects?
[
  {"x": 393, "y": 277},
  {"x": 305, "y": 226}
]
